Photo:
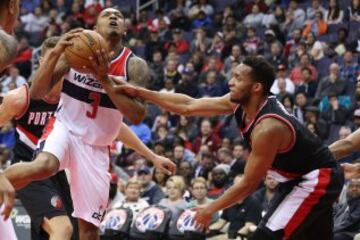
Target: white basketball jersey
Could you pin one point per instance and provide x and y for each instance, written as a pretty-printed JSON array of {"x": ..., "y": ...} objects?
[{"x": 85, "y": 108}]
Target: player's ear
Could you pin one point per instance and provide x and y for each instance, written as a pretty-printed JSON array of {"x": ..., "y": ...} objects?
[
  {"x": 41, "y": 60},
  {"x": 258, "y": 87}
]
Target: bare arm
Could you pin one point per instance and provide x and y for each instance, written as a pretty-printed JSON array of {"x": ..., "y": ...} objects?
[
  {"x": 181, "y": 103},
  {"x": 260, "y": 160},
  {"x": 48, "y": 74},
  {"x": 8, "y": 49},
  {"x": 139, "y": 75},
  {"x": 129, "y": 138},
  {"x": 346, "y": 146},
  {"x": 13, "y": 104}
]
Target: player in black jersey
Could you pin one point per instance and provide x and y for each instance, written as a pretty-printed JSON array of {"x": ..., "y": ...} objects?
[
  {"x": 310, "y": 177},
  {"x": 9, "y": 11},
  {"x": 48, "y": 199}
]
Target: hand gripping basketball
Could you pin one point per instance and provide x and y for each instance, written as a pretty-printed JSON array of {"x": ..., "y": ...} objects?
[{"x": 65, "y": 40}]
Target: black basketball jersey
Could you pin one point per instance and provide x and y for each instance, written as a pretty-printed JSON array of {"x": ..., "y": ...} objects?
[
  {"x": 30, "y": 125},
  {"x": 306, "y": 152}
]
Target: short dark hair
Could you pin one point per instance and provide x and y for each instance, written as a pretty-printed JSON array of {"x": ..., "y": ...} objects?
[
  {"x": 48, "y": 44},
  {"x": 261, "y": 71}
]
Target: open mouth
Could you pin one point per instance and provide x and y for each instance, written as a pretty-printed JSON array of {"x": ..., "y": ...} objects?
[{"x": 114, "y": 24}]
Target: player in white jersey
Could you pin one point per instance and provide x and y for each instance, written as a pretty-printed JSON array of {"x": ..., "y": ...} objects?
[
  {"x": 86, "y": 124},
  {"x": 9, "y": 11}
]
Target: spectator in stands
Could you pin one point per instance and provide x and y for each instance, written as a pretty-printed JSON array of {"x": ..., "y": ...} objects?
[
  {"x": 160, "y": 179},
  {"x": 347, "y": 216},
  {"x": 23, "y": 58},
  {"x": 35, "y": 23},
  {"x": 132, "y": 199},
  {"x": 236, "y": 56},
  {"x": 321, "y": 126},
  {"x": 14, "y": 78},
  {"x": 213, "y": 65},
  {"x": 331, "y": 84},
  {"x": 205, "y": 165},
  {"x": 315, "y": 7},
  {"x": 282, "y": 74},
  {"x": 352, "y": 12},
  {"x": 164, "y": 31},
  {"x": 201, "y": 5},
  {"x": 206, "y": 136},
  {"x": 199, "y": 192},
  {"x": 281, "y": 85},
  {"x": 288, "y": 101},
  {"x": 181, "y": 45},
  {"x": 142, "y": 131},
  {"x": 187, "y": 85},
  {"x": 308, "y": 86},
  {"x": 315, "y": 48},
  {"x": 217, "y": 45},
  {"x": 334, "y": 15},
  {"x": 276, "y": 57},
  {"x": 299, "y": 13},
  {"x": 292, "y": 45},
  {"x": 219, "y": 180},
  {"x": 340, "y": 45},
  {"x": 300, "y": 105},
  {"x": 260, "y": 3},
  {"x": 186, "y": 124},
  {"x": 252, "y": 42},
  {"x": 317, "y": 26},
  {"x": 7, "y": 135},
  {"x": 169, "y": 86},
  {"x": 291, "y": 23},
  {"x": 349, "y": 71},
  {"x": 175, "y": 188},
  {"x": 211, "y": 87},
  {"x": 242, "y": 216},
  {"x": 254, "y": 19},
  {"x": 266, "y": 193},
  {"x": 343, "y": 133},
  {"x": 296, "y": 73},
  {"x": 335, "y": 114},
  {"x": 151, "y": 192},
  {"x": 201, "y": 20},
  {"x": 157, "y": 70},
  {"x": 201, "y": 42},
  {"x": 354, "y": 46},
  {"x": 171, "y": 72}
]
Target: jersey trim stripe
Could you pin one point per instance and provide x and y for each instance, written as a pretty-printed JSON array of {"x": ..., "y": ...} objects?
[
  {"x": 27, "y": 102},
  {"x": 27, "y": 137},
  {"x": 82, "y": 94}
]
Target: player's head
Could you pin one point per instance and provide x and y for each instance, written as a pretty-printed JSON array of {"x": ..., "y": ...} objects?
[
  {"x": 254, "y": 76},
  {"x": 111, "y": 24},
  {"x": 9, "y": 12}
]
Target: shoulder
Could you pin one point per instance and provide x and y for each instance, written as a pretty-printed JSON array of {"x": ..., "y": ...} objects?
[{"x": 17, "y": 98}]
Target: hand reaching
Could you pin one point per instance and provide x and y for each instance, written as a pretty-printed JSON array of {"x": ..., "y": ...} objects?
[
  {"x": 7, "y": 196},
  {"x": 351, "y": 170},
  {"x": 164, "y": 165}
]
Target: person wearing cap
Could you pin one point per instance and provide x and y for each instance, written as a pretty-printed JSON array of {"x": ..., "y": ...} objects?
[
  {"x": 187, "y": 85},
  {"x": 151, "y": 192},
  {"x": 281, "y": 73}
]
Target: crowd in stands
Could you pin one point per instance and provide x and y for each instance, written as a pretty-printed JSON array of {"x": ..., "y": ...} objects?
[{"x": 191, "y": 47}]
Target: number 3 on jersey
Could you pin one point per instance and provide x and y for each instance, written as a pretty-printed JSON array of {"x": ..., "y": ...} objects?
[{"x": 95, "y": 97}]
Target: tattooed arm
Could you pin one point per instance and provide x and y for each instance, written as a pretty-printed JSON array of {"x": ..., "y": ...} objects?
[
  {"x": 132, "y": 108},
  {"x": 8, "y": 49}
]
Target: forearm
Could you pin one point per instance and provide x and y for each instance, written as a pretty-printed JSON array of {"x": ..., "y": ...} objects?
[
  {"x": 42, "y": 80},
  {"x": 177, "y": 103},
  {"x": 8, "y": 49},
  {"x": 134, "y": 110},
  {"x": 238, "y": 192},
  {"x": 342, "y": 148},
  {"x": 128, "y": 137}
]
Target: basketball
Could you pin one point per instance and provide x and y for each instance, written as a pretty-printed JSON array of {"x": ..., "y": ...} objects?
[{"x": 84, "y": 46}]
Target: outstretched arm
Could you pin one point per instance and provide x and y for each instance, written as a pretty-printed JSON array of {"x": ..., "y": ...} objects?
[
  {"x": 8, "y": 49},
  {"x": 13, "y": 104},
  {"x": 131, "y": 140},
  {"x": 260, "y": 160},
  {"x": 181, "y": 103},
  {"x": 346, "y": 146}
]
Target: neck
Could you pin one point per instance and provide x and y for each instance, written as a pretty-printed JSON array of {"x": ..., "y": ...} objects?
[
  {"x": 269, "y": 194},
  {"x": 115, "y": 45},
  {"x": 201, "y": 201},
  {"x": 252, "y": 107}
]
